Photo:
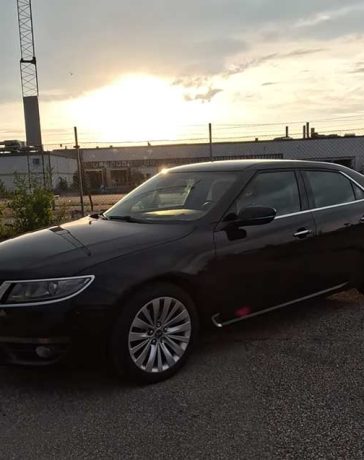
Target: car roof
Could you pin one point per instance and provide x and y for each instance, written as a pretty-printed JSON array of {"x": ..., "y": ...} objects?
[{"x": 241, "y": 165}]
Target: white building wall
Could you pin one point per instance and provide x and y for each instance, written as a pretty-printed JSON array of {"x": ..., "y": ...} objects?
[
  {"x": 62, "y": 167},
  {"x": 16, "y": 164},
  {"x": 11, "y": 165}
]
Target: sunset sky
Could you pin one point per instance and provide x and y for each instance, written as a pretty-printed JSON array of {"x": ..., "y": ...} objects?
[{"x": 152, "y": 70}]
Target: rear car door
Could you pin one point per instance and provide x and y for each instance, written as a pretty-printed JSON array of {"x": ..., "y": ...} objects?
[
  {"x": 266, "y": 265},
  {"x": 337, "y": 203}
]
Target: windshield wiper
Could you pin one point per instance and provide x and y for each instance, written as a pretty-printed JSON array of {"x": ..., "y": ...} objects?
[
  {"x": 100, "y": 215},
  {"x": 125, "y": 219}
]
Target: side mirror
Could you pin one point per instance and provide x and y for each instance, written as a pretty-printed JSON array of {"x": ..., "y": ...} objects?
[{"x": 255, "y": 215}]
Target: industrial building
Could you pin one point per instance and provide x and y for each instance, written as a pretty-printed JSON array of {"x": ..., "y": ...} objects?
[{"x": 116, "y": 168}]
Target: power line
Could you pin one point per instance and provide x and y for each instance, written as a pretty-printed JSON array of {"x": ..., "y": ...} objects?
[{"x": 107, "y": 144}]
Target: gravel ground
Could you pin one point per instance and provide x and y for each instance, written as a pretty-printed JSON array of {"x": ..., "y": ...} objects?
[
  {"x": 109, "y": 199},
  {"x": 287, "y": 385}
]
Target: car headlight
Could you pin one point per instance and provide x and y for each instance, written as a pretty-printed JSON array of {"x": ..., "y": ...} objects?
[{"x": 43, "y": 291}]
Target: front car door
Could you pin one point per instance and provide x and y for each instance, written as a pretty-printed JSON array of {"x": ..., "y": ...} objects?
[{"x": 266, "y": 265}]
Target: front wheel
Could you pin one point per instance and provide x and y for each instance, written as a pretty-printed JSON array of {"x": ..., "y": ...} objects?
[{"x": 154, "y": 334}]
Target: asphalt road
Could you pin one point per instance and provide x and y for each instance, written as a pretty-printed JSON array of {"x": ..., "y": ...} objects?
[{"x": 287, "y": 385}]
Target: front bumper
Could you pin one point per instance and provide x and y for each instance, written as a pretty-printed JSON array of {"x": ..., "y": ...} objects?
[
  {"x": 45, "y": 334},
  {"x": 30, "y": 351}
]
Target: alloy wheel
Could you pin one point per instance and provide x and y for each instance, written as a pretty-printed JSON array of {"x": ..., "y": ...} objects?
[{"x": 159, "y": 334}]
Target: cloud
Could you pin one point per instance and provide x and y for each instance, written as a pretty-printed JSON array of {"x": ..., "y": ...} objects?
[
  {"x": 191, "y": 82},
  {"x": 313, "y": 20},
  {"x": 330, "y": 15},
  {"x": 302, "y": 52},
  {"x": 240, "y": 68},
  {"x": 97, "y": 44},
  {"x": 198, "y": 45},
  {"x": 330, "y": 23},
  {"x": 203, "y": 97},
  {"x": 197, "y": 88},
  {"x": 358, "y": 68}
]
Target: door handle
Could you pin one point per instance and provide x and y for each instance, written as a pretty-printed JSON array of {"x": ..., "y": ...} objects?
[
  {"x": 301, "y": 233},
  {"x": 362, "y": 220}
]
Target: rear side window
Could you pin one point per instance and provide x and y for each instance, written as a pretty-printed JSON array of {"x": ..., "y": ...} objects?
[
  {"x": 278, "y": 190},
  {"x": 359, "y": 193},
  {"x": 329, "y": 188}
]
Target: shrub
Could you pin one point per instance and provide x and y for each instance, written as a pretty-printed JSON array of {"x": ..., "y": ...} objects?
[
  {"x": 32, "y": 208},
  {"x": 3, "y": 191},
  {"x": 2, "y": 226},
  {"x": 6, "y": 230},
  {"x": 62, "y": 186},
  {"x": 60, "y": 214}
]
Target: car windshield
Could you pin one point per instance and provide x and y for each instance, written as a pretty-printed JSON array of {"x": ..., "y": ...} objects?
[{"x": 173, "y": 196}]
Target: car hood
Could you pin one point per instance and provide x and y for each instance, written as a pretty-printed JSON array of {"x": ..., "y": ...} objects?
[{"x": 67, "y": 249}]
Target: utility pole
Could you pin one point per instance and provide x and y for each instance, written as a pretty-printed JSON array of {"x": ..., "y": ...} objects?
[
  {"x": 79, "y": 168},
  {"x": 210, "y": 141}
]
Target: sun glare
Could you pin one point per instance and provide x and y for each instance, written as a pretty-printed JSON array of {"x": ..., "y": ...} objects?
[{"x": 134, "y": 108}]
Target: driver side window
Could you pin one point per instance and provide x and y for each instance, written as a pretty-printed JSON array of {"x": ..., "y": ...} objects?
[{"x": 276, "y": 189}]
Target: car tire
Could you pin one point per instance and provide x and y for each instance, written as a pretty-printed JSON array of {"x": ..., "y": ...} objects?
[{"x": 154, "y": 333}]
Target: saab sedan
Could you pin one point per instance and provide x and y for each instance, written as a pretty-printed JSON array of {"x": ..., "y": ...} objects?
[{"x": 219, "y": 242}]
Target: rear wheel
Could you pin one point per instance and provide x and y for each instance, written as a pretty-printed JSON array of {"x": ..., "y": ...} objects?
[{"x": 154, "y": 334}]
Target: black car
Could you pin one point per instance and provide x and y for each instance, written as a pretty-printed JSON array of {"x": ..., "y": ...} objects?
[{"x": 223, "y": 240}]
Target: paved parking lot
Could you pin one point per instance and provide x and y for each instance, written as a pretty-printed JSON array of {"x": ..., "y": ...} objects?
[{"x": 287, "y": 385}]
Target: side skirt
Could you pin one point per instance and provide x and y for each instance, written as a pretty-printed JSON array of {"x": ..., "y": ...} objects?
[{"x": 217, "y": 323}]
